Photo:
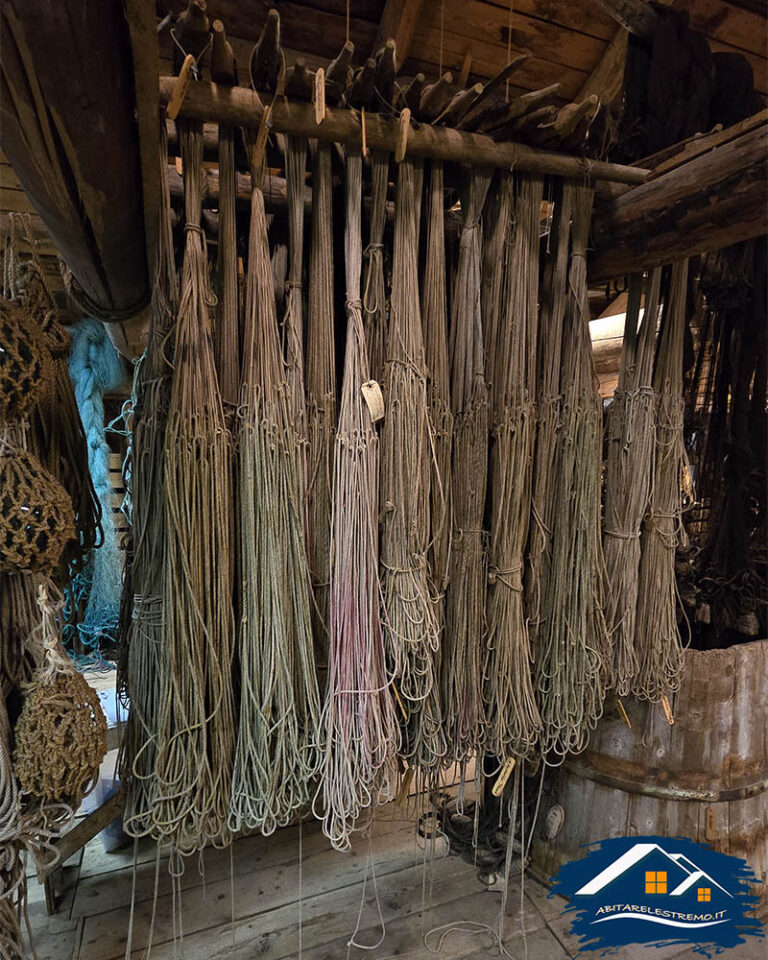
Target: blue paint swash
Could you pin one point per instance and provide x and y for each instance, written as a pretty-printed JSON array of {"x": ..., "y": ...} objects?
[{"x": 658, "y": 891}]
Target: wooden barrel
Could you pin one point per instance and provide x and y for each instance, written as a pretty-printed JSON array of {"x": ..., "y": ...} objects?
[{"x": 704, "y": 777}]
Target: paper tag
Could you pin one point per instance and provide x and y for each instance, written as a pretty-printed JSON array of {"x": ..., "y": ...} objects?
[
  {"x": 374, "y": 398},
  {"x": 501, "y": 781},
  {"x": 667, "y": 710},
  {"x": 180, "y": 87}
]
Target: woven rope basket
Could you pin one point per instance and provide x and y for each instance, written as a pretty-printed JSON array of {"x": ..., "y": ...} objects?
[
  {"x": 37, "y": 519},
  {"x": 26, "y": 369},
  {"x": 61, "y": 739}
]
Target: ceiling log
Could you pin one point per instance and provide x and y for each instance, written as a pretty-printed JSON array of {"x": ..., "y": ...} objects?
[
  {"x": 73, "y": 144},
  {"x": 714, "y": 200},
  {"x": 236, "y": 105}
]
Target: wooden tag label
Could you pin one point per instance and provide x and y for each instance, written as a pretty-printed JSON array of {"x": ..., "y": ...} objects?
[
  {"x": 180, "y": 87},
  {"x": 374, "y": 398},
  {"x": 501, "y": 781},
  {"x": 667, "y": 710},
  {"x": 319, "y": 95}
]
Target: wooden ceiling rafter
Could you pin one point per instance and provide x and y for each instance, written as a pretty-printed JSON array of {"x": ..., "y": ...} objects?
[{"x": 398, "y": 21}]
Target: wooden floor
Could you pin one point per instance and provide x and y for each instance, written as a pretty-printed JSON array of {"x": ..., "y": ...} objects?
[{"x": 95, "y": 895}]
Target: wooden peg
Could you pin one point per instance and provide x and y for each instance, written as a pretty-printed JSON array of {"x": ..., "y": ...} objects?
[
  {"x": 223, "y": 63},
  {"x": 459, "y": 105},
  {"x": 299, "y": 82},
  {"x": 319, "y": 97},
  {"x": 339, "y": 71},
  {"x": 410, "y": 96},
  {"x": 466, "y": 64},
  {"x": 363, "y": 86},
  {"x": 386, "y": 70},
  {"x": 362, "y": 131},
  {"x": 495, "y": 82},
  {"x": 180, "y": 87},
  {"x": 179, "y": 166},
  {"x": 192, "y": 33},
  {"x": 267, "y": 56},
  {"x": 402, "y": 135},
  {"x": 517, "y": 107},
  {"x": 435, "y": 97}
]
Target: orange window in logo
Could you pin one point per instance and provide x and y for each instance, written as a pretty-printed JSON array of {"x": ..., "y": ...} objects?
[
  {"x": 704, "y": 894},
  {"x": 655, "y": 881}
]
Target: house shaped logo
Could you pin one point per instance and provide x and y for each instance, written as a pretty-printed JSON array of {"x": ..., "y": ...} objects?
[{"x": 656, "y": 889}]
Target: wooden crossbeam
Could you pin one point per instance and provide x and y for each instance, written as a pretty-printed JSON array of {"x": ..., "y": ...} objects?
[
  {"x": 241, "y": 107},
  {"x": 714, "y": 200}
]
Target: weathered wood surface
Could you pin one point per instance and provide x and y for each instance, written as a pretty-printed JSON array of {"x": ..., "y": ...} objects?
[
  {"x": 717, "y": 750},
  {"x": 398, "y": 21},
  {"x": 73, "y": 144},
  {"x": 207, "y": 101},
  {"x": 712, "y": 201}
]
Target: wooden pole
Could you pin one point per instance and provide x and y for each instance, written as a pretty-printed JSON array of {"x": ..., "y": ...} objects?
[{"x": 242, "y": 107}]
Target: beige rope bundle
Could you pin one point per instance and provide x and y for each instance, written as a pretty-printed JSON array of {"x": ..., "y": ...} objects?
[
  {"x": 463, "y": 654},
  {"x": 293, "y": 321},
  {"x": 374, "y": 286},
  {"x": 410, "y": 621},
  {"x": 61, "y": 734},
  {"x": 435, "y": 322},
  {"x": 552, "y": 313},
  {"x": 195, "y": 736},
  {"x": 321, "y": 393},
  {"x": 277, "y": 754},
  {"x": 144, "y": 667},
  {"x": 572, "y": 637},
  {"x": 36, "y": 517},
  {"x": 360, "y": 733},
  {"x": 628, "y": 469},
  {"x": 658, "y": 645},
  {"x": 512, "y": 717}
]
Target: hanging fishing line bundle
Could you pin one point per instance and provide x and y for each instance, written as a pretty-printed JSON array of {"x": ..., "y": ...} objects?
[
  {"x": 658, "y": 645},
  {"x": 277, "y": 751},
  {"x": 375, "y": 305},
  {"x": 195, "y": 738},
  {"x": 321, "y": 393},
  {"x": 572, "y": 642},
  {"x": 359, "y": 732},
  {"x": 512, "y": 717},
  {"x": 628, "y": 470},
  {"x": 410, "y": 622},
  {"x": 144, "y": 678},
  {"x": 463, "y": 654}
]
